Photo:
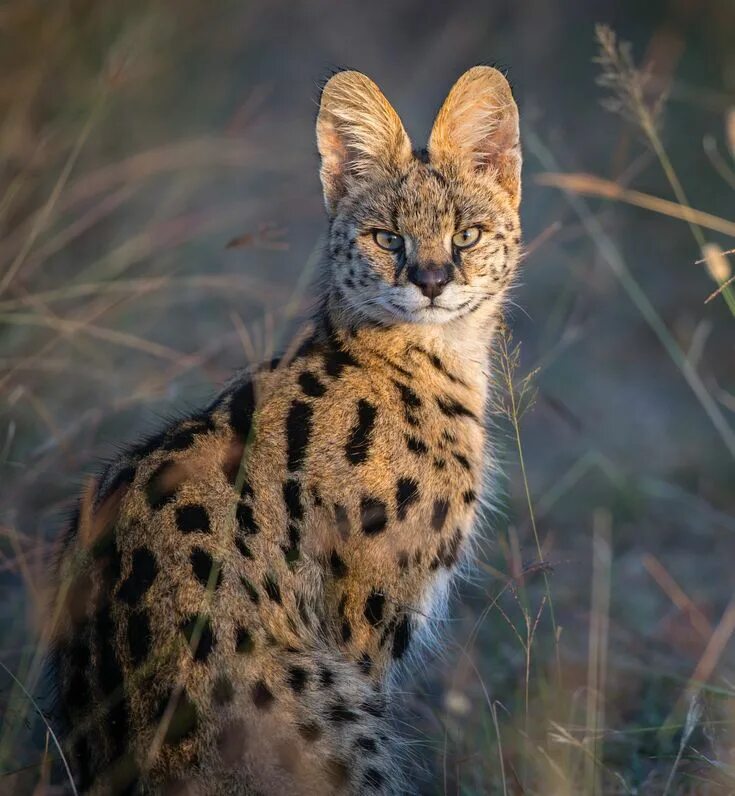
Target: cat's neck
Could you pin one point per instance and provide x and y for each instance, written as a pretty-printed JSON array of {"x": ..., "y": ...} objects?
[{"x": 462, "y": 345}]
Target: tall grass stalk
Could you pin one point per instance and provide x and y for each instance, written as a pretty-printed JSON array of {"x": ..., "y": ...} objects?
[
  {"x": 612, "y": 256},
  {"x": 597, "y": 650},
  {"x": 629, "y": 86},
  {"x": 519, "y": 400}
]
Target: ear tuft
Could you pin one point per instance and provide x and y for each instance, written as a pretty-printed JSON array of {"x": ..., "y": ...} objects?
[
  {"x": 357, "y": 130},
  {"x": 478, "y": 124}
]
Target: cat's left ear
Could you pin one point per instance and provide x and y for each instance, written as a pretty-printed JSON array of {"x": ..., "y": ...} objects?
[
  {"x": 357, "y": 132},
  {"x": 478, "y": 124}
]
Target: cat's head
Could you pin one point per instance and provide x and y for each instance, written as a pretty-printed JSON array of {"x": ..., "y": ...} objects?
[{"x": 427, "y": 236}]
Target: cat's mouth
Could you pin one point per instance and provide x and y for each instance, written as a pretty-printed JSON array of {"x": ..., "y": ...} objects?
[{"x": 431, "y": 311}]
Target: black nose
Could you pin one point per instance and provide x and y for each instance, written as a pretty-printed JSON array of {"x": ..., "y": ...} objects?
[{"x": 430, "y": 280}]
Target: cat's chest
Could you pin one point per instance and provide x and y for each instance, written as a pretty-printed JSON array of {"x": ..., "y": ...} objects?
[{"x": 395, "y": 467}]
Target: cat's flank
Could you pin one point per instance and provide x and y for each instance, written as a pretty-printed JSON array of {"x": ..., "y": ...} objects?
[{"x": 237, "y": 595}]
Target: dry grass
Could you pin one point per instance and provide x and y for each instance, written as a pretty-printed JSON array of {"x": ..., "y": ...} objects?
[{"x": 141, "y": 261}]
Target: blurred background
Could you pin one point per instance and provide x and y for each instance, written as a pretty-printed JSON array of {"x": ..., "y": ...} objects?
[{"x": 160, "y": 221}]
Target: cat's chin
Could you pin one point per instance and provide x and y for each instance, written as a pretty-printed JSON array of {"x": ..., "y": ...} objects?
[{"x": 430, "y": 314}]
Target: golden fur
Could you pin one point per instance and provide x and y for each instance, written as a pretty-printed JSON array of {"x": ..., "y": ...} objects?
[{"x": 236, "y": 595}]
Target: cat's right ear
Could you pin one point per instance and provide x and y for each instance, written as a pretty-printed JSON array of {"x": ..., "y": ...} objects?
[{"x": 357, "y": 131}]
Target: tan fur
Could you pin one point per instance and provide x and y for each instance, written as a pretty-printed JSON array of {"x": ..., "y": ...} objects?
[{"x": 236, "y": 597}]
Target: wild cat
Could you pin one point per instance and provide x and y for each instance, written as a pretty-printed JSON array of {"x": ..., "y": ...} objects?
[{"x": 237, "y": 595}]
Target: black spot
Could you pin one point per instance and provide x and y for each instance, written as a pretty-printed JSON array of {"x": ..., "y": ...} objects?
[
  {"x": 298, "y": 430},
  {"x": 292, "y": 499},
  {"x": 192, "y": 519},
  {"x": 374, "y": 606},
  {"x": 439, "y": 514},
  {"x": 469, "y": 496},
  {"x": 162, "y": 485},
  {"x": 441, "y": 367},
  {"x": 357, "y": 448},
  {"x": 440, "y": 464},
  {"x": 143, "y": 572},
  {"x": 415, "y": 445},
  {"x": 271, "y": 589},
  {"x": 108, "y": 666},
  {"x": 326, "y": 677},
  {"x": 403, "y": 561},
  {"x": 401, "y": 637},
  {"x": 262, "y": 695},
  {"x": 366, "y": 744},
  {"x": 242, "y": 547},
  {"x": 451, "y": 408},
  {"x": 339, "y": 712},
  {"x": 198, "y": 632},
  {"x": 118, "y": 726},
  {"x": 242, "y": 406},
  {"x": 310, "y": 732},
  {"x": 184, "y": 719},
  {"x": 337, "y": 565},
  {"x": 407, "y": 492},
  {"x": 411, "y": 402},
  {"x": 203, "y": 566},
  {"x": 244, "y": 641},
  {"x": 346, "y": 630},
  {"x": 342, "y": 520},
  {"x": 223, "y": 691},
  {"x": 373, "y": 778},
  {"x": 316, "y": 496},
  {"x": 297, "y": 678},
  {"x": 245, "y": 519},
  {"x": 373, "y": 516},
  {"x": 139, "y": 636},
  {"x": 463, "y": 460},
  {"x": 336, "y": 359},
  {"x": 291, "y": 550},
  {"x": 311, "y": 385},
  {"x": 365, "y": 663},
  {"x": 250, "y": 590}
]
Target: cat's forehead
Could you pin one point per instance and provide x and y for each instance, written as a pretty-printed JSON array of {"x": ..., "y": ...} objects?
[{"x": 421, "y": 197}]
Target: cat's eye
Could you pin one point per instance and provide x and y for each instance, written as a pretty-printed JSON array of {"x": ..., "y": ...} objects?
[
  {"x": 389, "y": 241},
  {"x": 466, "y": 237}
]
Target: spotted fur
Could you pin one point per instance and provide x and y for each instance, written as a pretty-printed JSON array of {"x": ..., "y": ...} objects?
[{"x": 238, "y": 594}]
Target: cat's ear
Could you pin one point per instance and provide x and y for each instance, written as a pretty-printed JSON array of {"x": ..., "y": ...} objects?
[
  {"x": 478, "y": 123},
  {"x": 357, "y": 130}
]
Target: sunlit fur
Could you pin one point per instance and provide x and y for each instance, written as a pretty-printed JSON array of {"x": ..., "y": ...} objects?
[
  {"x": 238, "y": 594},
  {"x": 426, "y": 205}
]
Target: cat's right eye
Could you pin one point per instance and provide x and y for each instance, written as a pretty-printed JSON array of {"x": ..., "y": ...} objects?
[{"x": 389, "y": 241}]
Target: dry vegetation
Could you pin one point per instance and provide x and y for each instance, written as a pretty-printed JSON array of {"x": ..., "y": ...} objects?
[{"x": 156, "y": 225}]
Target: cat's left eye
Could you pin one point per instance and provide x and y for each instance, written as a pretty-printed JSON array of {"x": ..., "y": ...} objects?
[
  {"x": 388, "y": 240},
  {"x": 466, "y": 237}
]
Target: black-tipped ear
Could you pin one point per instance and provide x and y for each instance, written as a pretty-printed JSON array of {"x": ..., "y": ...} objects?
[
  {"x": 356, "y": 130},
  {"x": 478, "y": 123}
]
